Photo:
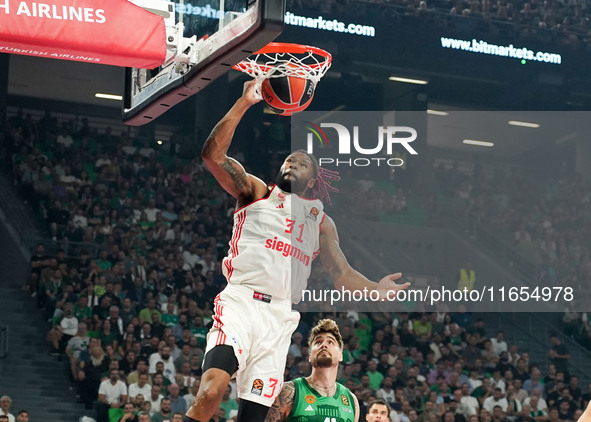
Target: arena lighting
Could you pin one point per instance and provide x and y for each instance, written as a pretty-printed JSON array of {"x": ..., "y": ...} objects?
[
  {"x": 109, "y": 96},
  {"x": 478, "y": 143},
  {"x": 437, "y": 112},
  {"x": 159, "y": 142},
  {"x": 523, "y": 124},
  {"x": 408, "y": 80}
]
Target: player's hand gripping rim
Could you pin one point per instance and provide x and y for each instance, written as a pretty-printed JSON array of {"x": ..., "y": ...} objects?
[{"x": 251, "y": 92}]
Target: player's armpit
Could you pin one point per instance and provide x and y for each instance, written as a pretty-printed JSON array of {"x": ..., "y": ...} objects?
[
  {"x": 282, "y": 405},
  {"x": 343, "y": 275}
]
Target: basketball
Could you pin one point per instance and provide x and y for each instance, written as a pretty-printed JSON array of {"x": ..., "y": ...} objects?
[{"x": 287, "y": 94}]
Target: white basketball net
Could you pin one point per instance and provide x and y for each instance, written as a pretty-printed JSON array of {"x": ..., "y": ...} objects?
[{"x": 308, "y": 65}]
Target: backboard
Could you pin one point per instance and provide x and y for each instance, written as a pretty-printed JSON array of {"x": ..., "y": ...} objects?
[{"x": 207, "y": 39}]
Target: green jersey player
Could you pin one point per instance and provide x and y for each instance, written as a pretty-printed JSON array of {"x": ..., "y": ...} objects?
[{"x": 318, "y": 397}]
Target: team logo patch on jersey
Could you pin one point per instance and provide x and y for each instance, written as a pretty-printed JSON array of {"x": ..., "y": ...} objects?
[
  {"x": 257, "y": 387},
  {"x": 262, "y": 297},
  {"x": 309, "y": 409},
  {"x": 281, "y": 196},
  {"x": 310, "y": 399},
  {"x": 345, "y": 400},
  {"x": 314, "y": 213}
]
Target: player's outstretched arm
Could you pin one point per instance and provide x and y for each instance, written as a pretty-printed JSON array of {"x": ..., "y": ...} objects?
[
  {"x": 357, "y": 409},
  {"x": 227, "y": 171},
  {"x": 342, "y": 273},
  {"x": 283, "y": 404}
]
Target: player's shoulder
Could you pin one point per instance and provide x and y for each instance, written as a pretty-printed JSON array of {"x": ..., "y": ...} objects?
[
  {"x": 344, "y": 390},
  {"x": 288, "y": 393}
]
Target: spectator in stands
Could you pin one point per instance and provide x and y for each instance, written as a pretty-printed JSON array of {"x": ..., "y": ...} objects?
[
  {"x": 129, "y": 414},
  {"x": 100, "y": 312},
  {"x": 108, "y": 336},
  {"x": 536, "y": 403},
  {"x": 117, "y": 325},
  {"x": 141, "y": 368},
  {"x": 520, "y": 393},
  {"x": 37, "y": 263},
  {"x": 466, "y": 279},
  {"x": 5, "y": 403},
  {"x": 573, "y": 388},
  {"x": 375, "y": 378},
  {"x": 422, "y": 326},
  {"x": 22, "y": 416},
  {"x": 89, "y": 375},
  {"x": 469, "y": 400},
  {"x": 514, "y": 407},
  {"x": 534, "y": 410},
  {"x": 164, "y": 413},
  {"x": 559, "y": 354},
  {"x": 75, "y": 346},
  {"x": 484, "y": 391},
  {"x": 498, "y": 415},
  {"x": 112, "y": 394},
  {"x": 471, "y": 353},
  {"x": 522, "y": 372},
  {"x": 461, "y": 407},
  {"x": 497, "y": 399},
  {"x": 150, "y": 309},
  {"x": 140, "y": 387},
  {"x": 167, "y": 361},
  {"x": 228, "y": 403},
  {"x": 498, "y": 343},
  {"x": 154, "y": 399},
  {"x": 177, "y": 403},
  {"x": 296, "y": 344},
  {"x": 60, "y": 334},
  {"x": 535, "y": 382}
]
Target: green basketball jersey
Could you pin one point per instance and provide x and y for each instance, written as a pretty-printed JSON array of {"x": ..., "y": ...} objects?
[{"x": 309, "y": 406}]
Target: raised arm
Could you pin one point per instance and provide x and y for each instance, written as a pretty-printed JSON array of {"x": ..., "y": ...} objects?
[
  {"x": 227, "y": 171},
  {"x": 283, "y": 404},
  {"x": 342, "y": 273}
]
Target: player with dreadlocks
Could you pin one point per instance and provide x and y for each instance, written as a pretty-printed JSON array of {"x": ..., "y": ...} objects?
[{"x": 278, "y": 231}]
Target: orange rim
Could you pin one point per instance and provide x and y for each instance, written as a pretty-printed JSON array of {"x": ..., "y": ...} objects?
[
  {"x": 281, "y": 47},
  {"x": 278, "y": 48}
]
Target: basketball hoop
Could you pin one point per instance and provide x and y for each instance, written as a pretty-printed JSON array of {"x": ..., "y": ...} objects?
[{"x": 277, "y": 60}]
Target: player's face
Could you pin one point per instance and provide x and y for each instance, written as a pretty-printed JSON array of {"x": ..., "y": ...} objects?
[
  {"x": 377, "y": 413},
  {"x": 296, "y": 174},
  {"x": 325, "y": 351}
]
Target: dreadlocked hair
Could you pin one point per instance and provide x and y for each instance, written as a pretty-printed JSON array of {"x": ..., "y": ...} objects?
[{"x": 324, "y": 177}]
